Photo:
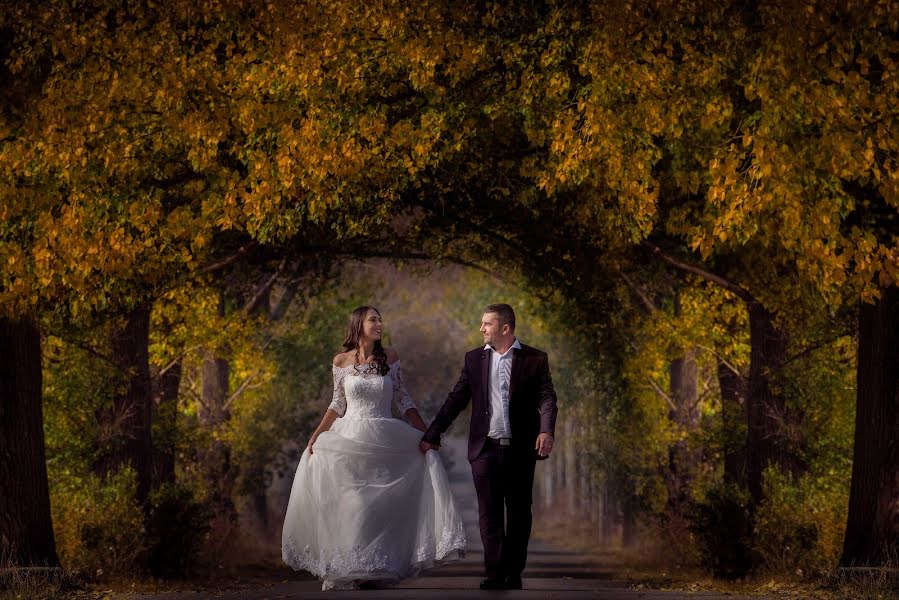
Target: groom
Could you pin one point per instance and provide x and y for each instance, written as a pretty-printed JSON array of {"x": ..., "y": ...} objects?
[{"x": 513, "y": 417}]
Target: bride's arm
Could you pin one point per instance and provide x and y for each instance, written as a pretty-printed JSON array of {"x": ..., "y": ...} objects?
[
  {"x": 415, "y": 420},
  {"x": 401, "y": 395},
  {"x": 336, "y": 409},
  {"x": 325, "y": 425}
]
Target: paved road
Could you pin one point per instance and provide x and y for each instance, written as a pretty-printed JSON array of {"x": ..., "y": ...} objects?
[{"x": 552, "y": 573}]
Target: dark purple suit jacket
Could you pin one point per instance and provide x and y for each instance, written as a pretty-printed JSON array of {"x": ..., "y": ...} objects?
[{"x": 532, "y": 399}]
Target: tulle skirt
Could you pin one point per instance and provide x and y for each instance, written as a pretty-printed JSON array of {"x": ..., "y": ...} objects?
[{"x": 367, "y": 505}]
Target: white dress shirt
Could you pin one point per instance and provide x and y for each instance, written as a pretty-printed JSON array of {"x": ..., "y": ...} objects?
[{"x": 498, "y": 382}]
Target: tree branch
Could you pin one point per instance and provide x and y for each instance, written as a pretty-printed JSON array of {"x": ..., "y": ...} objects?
[
  {"x": 803, "y": 353},
  {"x": 253, "y": 304},
  {"x": 175, "y": 360},
  {"x": 216, "y": 266},
  {"x": 368, "y": 253},
  {"x": 96, "y": 353},
  {"x": 723, "y": 360},
  {"x": 734, "y": 288},
  {"x": 480, "y": 230},
  {"x": 647, "y": 303},
  {"x": 239, "y": 390},
  {"x": 662, "y": 393},
  {"x": 284, "y": 302}
]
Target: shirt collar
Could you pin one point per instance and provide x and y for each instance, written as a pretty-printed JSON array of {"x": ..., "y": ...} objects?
[{"x": 515, "y": 344}]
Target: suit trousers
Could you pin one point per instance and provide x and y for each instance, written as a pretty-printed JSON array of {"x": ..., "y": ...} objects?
[{"x": 504, "y": 482}]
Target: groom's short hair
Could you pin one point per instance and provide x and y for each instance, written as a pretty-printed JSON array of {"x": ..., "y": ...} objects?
[{"x": 504, "y": 312}]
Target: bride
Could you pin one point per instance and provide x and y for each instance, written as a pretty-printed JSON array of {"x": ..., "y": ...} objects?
[{"x": 366, "y": 506}]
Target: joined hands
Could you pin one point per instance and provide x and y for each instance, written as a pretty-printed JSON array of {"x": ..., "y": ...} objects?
[{"x": 425, "y": 446}]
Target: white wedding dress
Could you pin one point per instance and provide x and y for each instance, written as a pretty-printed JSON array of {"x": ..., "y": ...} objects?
[{"x": 367, "y": 505}]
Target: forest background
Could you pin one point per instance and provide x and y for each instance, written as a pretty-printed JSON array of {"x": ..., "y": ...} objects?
[{"x": 691, "y": 205}]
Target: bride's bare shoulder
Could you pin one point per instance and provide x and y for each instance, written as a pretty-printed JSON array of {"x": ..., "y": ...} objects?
[
  {"x": 392, "y": 355},
  {"x": 344, "y": 359}
]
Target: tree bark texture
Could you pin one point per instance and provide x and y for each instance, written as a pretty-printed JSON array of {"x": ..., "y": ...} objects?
[
  {"x": 126, "y": 428},
  {"x": 26, "y": 529},
  {"x": 872, "y": 529}
]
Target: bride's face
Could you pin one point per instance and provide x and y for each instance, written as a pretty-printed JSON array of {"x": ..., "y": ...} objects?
[{"x": 371, "y": 326}]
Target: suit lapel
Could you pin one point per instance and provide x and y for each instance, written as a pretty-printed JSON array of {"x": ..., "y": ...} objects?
[{"x": 517, "y": 360}]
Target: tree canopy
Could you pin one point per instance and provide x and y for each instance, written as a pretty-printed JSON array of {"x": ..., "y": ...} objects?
[{"x": 152, "y": 151}]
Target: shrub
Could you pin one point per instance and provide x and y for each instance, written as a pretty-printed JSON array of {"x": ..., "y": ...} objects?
[
  {"x": 799, "y": 527},
  {"x": 176, "y": 525},
  {"x": 721, "y": 523},
  {"x": 99, "y": 527}
]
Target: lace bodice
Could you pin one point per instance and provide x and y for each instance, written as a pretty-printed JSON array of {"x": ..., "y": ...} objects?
[{"x": 360, "y": 395}]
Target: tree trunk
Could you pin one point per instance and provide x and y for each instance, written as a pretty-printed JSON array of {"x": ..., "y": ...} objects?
[
  {"x": 872, "y": 530},
  {"x": 772, "y": 430},
  {"x": 570, "y": 472},
  {"x": 126, "y": 429},
  {"x": 772, "y": 435},
  {"x": 733, "y": 415},
  {"x": 629, "y": 523},
  {"x": 26, "y": 529},
  {"x": 608, "y": 516},
  {"x": 165, "y": 420},
  {"x": 215, "y": 459},
  {"x": 683, "y": 461},
  {"x": 260, "y": 504}
]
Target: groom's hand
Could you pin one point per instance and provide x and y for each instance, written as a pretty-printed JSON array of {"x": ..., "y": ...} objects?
[
  {"x": 544, "y": 444},
  {"x": 425, "y": 446}
]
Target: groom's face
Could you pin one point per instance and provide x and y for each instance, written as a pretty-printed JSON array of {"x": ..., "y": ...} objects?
[{"x": 493, "y": 329}]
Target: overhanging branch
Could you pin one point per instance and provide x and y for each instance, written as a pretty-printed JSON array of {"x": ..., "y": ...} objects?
[
  {"x": 735, "y": 289},
  {"x": 217, "y": 266},
  {"x": 260, "y": 293}
]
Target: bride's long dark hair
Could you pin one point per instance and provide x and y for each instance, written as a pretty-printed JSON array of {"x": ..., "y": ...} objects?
[{"x": 354, "y": 335}]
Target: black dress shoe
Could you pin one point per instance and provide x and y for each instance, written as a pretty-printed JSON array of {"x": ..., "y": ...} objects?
[
  {"x": 493, "y": 583},
  {"x": 513, "y": 582}
]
